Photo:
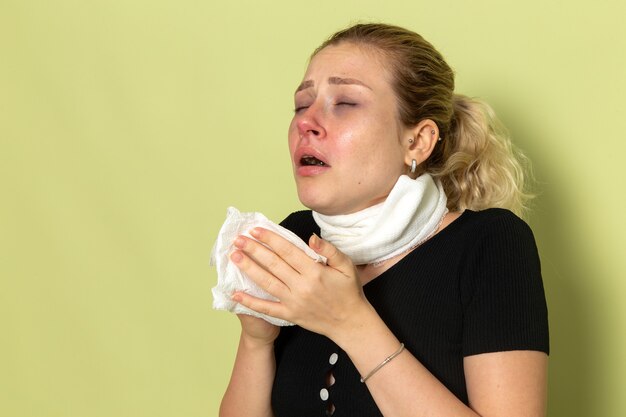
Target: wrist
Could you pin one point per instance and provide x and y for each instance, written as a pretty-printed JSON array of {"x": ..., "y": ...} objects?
[
  {"x": 365, "y": 337},
  {"x": 254, "y": 343},
  {"x": 363, "y": 324}
]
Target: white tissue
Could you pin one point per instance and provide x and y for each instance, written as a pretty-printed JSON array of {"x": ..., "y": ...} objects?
[{"x": 230, "y": 278}]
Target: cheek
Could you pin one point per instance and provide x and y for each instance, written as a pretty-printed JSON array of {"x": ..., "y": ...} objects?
[{"x": 292, "y": 137}]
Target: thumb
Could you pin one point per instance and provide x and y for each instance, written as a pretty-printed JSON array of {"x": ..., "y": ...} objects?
[{"x": 334, "y": 257}]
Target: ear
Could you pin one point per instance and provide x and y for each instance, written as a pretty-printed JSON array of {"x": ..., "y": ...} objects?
[{"x": 424, "y": 135}]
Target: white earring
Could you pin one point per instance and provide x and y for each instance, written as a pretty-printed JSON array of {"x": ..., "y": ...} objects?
[{"x": 413, "y": 166}]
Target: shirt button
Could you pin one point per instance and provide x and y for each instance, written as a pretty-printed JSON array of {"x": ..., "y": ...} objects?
[
  {"x": 333, "y": 359},
  {"x": 324, "y": 394}
]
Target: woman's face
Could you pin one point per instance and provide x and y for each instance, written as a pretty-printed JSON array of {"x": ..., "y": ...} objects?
[{"x": 347, "y": 144}]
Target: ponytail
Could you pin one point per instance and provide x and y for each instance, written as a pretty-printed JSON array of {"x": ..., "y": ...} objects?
[{"x": 476, "y": 162}]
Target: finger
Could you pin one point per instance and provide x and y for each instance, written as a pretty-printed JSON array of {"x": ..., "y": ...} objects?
[
  {"x": 334, "y": 257},
  {"x": 269, "y": 308},
  {"x": 290, "y": 253},
  {"x": 266, "y": 258},
  {"x": 261, "y": 277}
]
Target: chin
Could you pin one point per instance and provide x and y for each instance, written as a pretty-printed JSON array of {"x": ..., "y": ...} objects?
[
  {"x": 326, "y": 208},
  {"x": 315, "y": 202},
  {"x": 310, "y": 203}
]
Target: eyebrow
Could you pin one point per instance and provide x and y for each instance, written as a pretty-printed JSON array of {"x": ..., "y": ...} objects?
[
  {"x": 304, "y": 85},
  {"x": 332, "y": 80},
  {"x": 339, "y": 80}
]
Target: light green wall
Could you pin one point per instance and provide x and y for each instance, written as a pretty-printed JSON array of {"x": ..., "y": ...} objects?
[{"x": 128, "y": 126}]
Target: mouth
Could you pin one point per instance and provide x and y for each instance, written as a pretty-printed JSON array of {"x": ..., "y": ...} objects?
[
  {"x": 309, "y": 157},
  {"x": 310, "y": 160}
]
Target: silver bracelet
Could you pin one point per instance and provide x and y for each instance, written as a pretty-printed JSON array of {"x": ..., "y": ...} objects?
[{"x": 383, "y": 363}]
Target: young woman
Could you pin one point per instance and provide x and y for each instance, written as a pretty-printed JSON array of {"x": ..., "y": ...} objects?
[{"x": 431, "y": 302}]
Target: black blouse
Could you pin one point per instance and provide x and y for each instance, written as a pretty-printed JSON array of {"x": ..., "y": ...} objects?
[{"x": 474, "y": 287}]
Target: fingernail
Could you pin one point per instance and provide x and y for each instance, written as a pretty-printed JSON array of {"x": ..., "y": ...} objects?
[
  {"x": 236, "y": 257},
  {"x": 240, "y": 242},
  {"x": 255, "y": 232},
  {"x": 236, "y": 297},
  {"x": 315, "y": 241}
]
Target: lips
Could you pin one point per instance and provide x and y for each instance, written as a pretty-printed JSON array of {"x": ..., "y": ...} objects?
[{"x": 309, "y": 161}]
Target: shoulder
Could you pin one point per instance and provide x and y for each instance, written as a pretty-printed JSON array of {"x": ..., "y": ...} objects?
[
  {"x": 493, "y": 216},
  {"x": 498, "y": 234},
  {"x": 494, "y": 223},
  {"x": 301, "y": 223}
]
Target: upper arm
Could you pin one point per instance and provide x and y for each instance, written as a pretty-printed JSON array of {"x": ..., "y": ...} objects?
[
  {"x": 502, "y": 290},
  {"x": 510, "y": 383},
  {"x": 505, "y": 340}
]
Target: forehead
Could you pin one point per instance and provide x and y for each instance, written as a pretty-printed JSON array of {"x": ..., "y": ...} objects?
[{"x": 362, "y": 62}]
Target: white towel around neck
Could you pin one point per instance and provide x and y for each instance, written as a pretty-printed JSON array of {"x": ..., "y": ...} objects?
[{"x": 411, "y": 214}]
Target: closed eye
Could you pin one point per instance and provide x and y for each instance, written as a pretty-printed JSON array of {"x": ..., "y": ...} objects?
[
  {"x": 300, "y": 108},
  {"x": 345, "y": 103}
]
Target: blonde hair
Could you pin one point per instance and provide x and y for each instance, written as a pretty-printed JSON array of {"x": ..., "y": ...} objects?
[{"x": 476, "y": 162}]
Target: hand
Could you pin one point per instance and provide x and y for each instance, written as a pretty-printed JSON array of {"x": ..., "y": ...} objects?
[
  {"x": 257, "y": 331},
  {"x": 320, "y": 298}
]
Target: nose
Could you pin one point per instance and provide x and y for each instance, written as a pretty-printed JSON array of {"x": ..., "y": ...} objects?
[{"x": 310, "y": 124}]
